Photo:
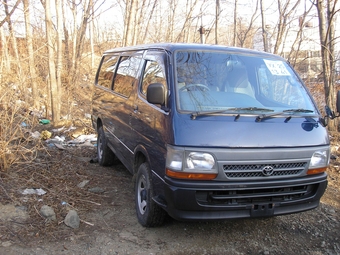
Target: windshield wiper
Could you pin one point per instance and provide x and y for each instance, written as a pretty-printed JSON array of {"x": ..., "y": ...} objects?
[
  {"x": 263, "y": 116},
  {"x": 229, "y": 110},
  {"x": 195, "y": 114},
  {"x": 298, "y": 110},
  {"x": 253, "y": 109}
]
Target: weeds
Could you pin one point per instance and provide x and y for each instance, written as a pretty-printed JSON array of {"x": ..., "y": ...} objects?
[{"x": 17, "y": 145}]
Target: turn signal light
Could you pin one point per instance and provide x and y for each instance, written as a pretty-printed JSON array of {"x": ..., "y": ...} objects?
[
  {"x": 317, "y": 170},
  {"x": 190, "y": 176}
]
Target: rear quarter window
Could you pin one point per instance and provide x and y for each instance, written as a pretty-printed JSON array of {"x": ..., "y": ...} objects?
[{"x": 106, "y": 71}]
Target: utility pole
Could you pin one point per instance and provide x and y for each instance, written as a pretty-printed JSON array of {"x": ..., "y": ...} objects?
[
  {"x": 202, "y": 34},
  {"x": 217, "y": 13}
]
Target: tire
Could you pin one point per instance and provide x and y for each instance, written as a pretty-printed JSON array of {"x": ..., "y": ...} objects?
[
  {"x": 149, "y": 214},
  {"x": 105, "y": 155}
]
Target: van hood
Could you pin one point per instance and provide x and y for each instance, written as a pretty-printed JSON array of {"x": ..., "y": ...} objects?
[{"x": 245, "y": 132}]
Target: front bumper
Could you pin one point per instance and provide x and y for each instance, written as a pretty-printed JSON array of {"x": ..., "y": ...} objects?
[{"x": 187, "y": 200}]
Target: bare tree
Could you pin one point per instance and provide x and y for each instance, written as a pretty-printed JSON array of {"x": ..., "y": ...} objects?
[
  {"x": 59, "y": 61},
  {"x": 326, "y": 12},
  {"x": 235, "y": 22},
  {"x": 264, "y": 29},
  {"x": 6, "y": 60},
  {"x": 293, "y": 55},
  {"x": 245, "y": 33},
  {"x": 52, "y": 81},
  {"x": 147, "y": 25},
  {"x": 9, "y": 14},
  {"x": 5, "y": 66},
  {"x": 31, "y": 62},
  {"x": 129, "y": 24},
  {"x": 13, "y": 40},
  {"x": 190, "y": 6},
  {"x": 285, "y": 15}
]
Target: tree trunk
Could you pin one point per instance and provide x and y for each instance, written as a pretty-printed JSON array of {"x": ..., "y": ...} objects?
[
  {"x": 284, "y": 14},
  {"x": 324, "y": 29},
  {"x": 148, "y": 20},
  {"x": 55, "y": 102},
  {"x": 31, "y": 62},
  {"x": 92, "y": 42},
  {"x": 14, "y": 46},
  {"x": 235, "y": 23},
  {"x": 5, "y": 59},
  {"x": 245, "y": 33},
  {"x": 59, "y": 11},
  {"x": 326, "y": 54},
  {"x": 264, "y": 29},
  {"x": 67, "y": 53},
  {"x": 6, "y": 54},
  {"x": 80, "y": 39},
  {"x": 129, "y": 24}
]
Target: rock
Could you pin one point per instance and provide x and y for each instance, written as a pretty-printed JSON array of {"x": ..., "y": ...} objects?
[
  {"x": 6, "y": 244},
  {"x": 72, "y": 219},
  {"x": 332, "y": 211},
  {"x": 82, "y": 184},
  {"x": 97, "y": 190},
  {"x": 48, "y": 212}
]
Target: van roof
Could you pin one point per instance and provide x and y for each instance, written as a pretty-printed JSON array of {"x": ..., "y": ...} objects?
[{"x": 188, "y": 46}]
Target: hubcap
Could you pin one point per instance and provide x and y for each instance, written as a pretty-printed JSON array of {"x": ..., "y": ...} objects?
[
  {"x": 142, "y": 195},
  {"x": 99, "y": 148}
]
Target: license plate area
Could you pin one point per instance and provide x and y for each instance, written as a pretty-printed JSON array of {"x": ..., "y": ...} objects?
[{"x": 262, "y": 210}]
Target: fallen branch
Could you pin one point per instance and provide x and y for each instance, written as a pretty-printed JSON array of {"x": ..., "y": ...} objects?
[
  {"x": 88, "y": 223},
  {"x": 88, "y": 201}
]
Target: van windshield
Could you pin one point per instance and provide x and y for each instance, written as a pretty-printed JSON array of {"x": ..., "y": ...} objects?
[{"x": 209, "y": 81}]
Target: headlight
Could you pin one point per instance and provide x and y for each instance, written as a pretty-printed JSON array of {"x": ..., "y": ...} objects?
[
  {"x": 318, "y": 162},
  {"x": 199, "y": 160},
  {"x": 319, "y": 159},
  {"x": 193, "y": 165}
]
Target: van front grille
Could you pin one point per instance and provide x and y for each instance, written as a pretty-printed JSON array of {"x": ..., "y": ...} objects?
[
  {"x": 263, "y": 170},
  {"x": 256, "y": 195}
]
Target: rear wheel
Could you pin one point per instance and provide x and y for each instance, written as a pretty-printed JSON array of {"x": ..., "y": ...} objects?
[
  {"x": 149, "y": 214},
  {"x": 105, "y": 155}
]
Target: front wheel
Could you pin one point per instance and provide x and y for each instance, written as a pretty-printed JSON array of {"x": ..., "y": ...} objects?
[
  {"x": 149, "y": 214},
  {"x": 105, "y": 155}
]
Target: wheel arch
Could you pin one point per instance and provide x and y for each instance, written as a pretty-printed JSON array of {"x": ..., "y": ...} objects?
[
  {"x": 141, "y": 156},
  {"x": 99, "y": 123}
]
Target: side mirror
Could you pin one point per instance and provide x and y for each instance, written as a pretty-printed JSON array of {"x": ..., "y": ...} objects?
[
  {"x": 329, "y": 113},
  {"x": 338, "y": 101},
  {"x": 155, "y": 93}
]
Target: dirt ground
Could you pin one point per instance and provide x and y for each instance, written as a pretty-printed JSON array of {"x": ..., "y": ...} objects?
[{"x": 109, "y": 224}]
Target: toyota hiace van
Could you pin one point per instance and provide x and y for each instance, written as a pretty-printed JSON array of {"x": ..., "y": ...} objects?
[{"x": 210, "y": 132}]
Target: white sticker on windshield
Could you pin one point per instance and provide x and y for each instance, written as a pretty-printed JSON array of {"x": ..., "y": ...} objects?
[{"x": 276, "y": 67}]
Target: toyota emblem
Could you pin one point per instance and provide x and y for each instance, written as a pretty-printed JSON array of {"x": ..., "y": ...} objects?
[{"x": 267, "y": 170}]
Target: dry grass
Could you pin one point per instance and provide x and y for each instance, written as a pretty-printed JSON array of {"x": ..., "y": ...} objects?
[{"x": 17, "y": 145}]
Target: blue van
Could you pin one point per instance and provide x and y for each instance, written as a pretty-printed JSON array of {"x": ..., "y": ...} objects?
[{"x": 210, "y": 132}]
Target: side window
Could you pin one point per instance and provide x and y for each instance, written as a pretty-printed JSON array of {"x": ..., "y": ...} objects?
[
  {"x": 153, "y": 73},
  {"x": 107, "y": 70},
  {"x": 127, "y": 75}
]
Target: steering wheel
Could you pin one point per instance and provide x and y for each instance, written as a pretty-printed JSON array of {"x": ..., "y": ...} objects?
[{"x": 196, "y": 86}]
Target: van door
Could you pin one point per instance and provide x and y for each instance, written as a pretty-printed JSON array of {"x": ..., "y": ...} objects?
[
  {"x": 151, "y": 121},
  {"x": 125, "y": 79}
]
